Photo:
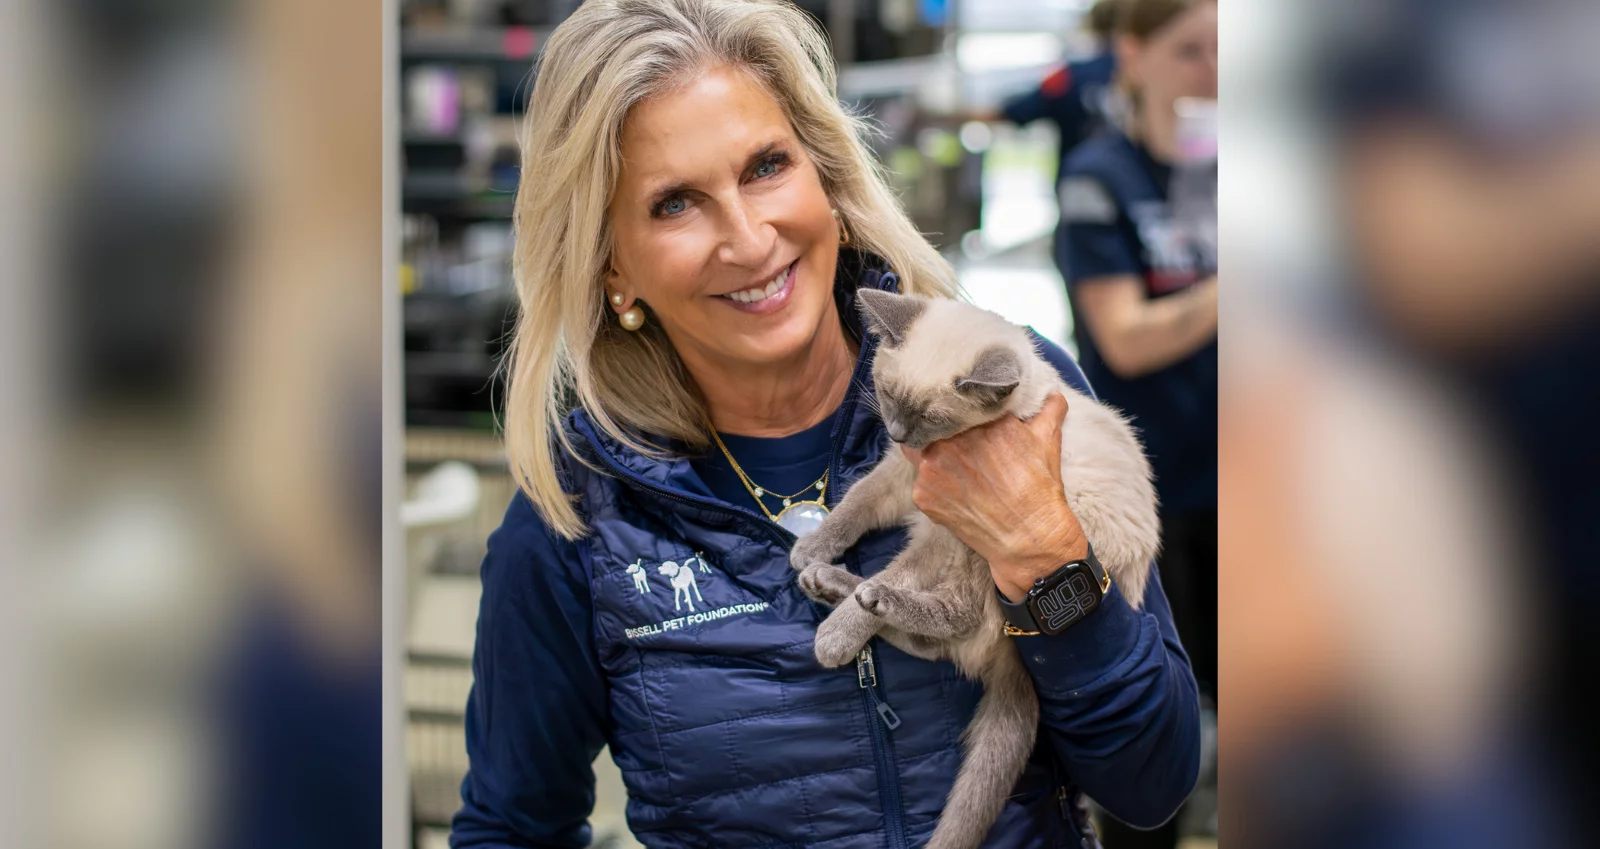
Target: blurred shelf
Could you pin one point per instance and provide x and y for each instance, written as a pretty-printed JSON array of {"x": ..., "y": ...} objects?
[
  {"x": 449, "y": 364},
  {"x": 426, "y": 446},
  {"x": 889, "y": 78},
  {"x": 424, "y": 416},
  {"x": 424, "y": 137},
  {"x": 451, "y": 195},
  {"x": 471, "y": 44}
]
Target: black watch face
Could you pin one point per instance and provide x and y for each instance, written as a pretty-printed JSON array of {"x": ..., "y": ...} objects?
[{"x": 1066, "y": 602}]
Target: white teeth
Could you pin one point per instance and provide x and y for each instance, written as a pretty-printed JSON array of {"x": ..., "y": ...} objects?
[{"x": 750, "y": 296}]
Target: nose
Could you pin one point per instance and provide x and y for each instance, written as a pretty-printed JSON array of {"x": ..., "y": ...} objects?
[
  {"x": 897, "y": 431},
  {"x": 747, "y": 240}
]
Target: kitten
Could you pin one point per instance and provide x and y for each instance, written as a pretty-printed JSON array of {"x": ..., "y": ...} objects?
[{"x": 942, "y": 367}]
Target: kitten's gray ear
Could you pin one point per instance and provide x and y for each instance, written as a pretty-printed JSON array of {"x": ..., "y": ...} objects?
[
  {"x": 889, "y": 315},
  {"x": 995, "y": 374}
]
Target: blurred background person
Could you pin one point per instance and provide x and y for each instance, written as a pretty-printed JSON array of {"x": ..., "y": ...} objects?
[
  {"x": 1470, "y": 164},
  {"x": 1076, "y": 96},
  {"x": 205, "y": 573},
  {"x": 1144, "y": 291},
  {"x": 1411, "y": 394}
]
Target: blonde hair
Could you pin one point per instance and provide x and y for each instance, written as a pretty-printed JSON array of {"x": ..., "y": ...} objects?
[{"x": 567, "y": 350}]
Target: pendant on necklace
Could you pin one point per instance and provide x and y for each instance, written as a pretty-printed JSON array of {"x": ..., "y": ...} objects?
[{"x": 802, "y": 518}]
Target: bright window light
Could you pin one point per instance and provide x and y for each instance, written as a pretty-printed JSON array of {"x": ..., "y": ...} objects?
[{"x": 980, "y": 52}]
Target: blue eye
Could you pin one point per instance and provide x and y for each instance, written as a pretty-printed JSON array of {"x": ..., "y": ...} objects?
[
  {"x": 673, "y": 206},
  {"x": 770, "y": 166}
]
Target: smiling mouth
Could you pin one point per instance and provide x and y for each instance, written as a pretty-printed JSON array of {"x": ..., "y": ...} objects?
[{"x": 761, "y": 293}]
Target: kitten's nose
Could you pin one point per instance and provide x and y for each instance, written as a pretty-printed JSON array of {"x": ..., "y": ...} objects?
[{"x": 897, "y": 431}]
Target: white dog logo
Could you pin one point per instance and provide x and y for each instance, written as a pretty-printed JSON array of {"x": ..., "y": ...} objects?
[
  {"x": 682, "y": 582},
  {"x": 700, "y": 557},
  {"x": 641, "y": 578}
]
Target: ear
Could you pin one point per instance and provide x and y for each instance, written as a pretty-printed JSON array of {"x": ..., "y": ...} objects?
[
  {"x": 889, "y": 315},
  {"x": 995, "y": 374}
]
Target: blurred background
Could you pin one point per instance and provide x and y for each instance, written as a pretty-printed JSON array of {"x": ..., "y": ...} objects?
[{"x": 1407, "y": 456}]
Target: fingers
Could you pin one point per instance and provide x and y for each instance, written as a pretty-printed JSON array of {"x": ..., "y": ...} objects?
[
  {"x": 1051, "y": 416},
  {"x": 1054, "y": 409}
]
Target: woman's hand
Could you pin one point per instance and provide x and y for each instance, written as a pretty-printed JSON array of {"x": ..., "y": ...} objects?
[{"x": 998, "y": 489}]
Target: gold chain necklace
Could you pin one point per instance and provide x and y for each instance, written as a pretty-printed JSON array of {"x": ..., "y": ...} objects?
[{"x": 797, "y": 517}]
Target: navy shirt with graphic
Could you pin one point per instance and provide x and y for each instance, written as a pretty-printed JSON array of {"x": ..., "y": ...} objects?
[
  {"x": 1073, "y": 97},
  {"x": 1117, "y": 222}
]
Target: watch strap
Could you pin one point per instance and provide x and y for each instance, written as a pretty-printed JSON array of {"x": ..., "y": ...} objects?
[
  {"x": 1019, "y": 619},
  {"x": 1019, "y": 616}
]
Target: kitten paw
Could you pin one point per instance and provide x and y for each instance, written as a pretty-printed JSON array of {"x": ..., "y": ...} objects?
[
  {"x": 870, "y": 596},
  {"x": 836, "y": 646},
  {"x": 827, "y": 584},
  {"x": 811, "y": 550}
]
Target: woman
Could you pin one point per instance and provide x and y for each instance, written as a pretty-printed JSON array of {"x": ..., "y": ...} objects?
[
  {"x": 696, "y": 215},
  {"x": 1144, "y": 292}
]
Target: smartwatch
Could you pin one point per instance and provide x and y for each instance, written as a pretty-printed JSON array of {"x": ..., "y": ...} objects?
[{"x": 1057, "y": 601}]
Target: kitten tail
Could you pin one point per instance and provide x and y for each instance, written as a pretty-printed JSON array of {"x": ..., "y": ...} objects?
[{"x": 998, "y": 742}]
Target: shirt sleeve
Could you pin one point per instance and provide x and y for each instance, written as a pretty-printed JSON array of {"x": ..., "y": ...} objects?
[
  {"x": 1063, "y": 362},
  {"x": 1117, "y": 698},
  {"x": 1042, "y": 102},
  {"x": 1097, "y": 241},
  {"x": 536, "y": 715},
  {"x": 1118, "y": 704}
]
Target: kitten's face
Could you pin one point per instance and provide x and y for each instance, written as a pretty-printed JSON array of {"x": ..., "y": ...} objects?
[
  {"x": 915, "y": 416},
  {"x": 941, "y": 367}
]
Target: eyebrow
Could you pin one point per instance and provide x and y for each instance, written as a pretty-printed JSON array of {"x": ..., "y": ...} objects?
[{"x": 671, "y": 189}]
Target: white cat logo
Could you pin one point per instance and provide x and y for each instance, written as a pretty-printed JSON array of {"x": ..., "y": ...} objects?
[
  {"x": 682, "y": 582},
  {"x": 641, "y": 578}
]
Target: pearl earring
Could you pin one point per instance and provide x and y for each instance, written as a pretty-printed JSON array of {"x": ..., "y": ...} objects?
[
  {"x": 617, "y": 299},
  {"x": 632, "y": 318}
]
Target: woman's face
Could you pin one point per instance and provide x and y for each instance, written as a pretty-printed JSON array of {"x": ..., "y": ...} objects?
[
  {"x": 721, "y": 224},
  {"x": 1179, "y": 60}
]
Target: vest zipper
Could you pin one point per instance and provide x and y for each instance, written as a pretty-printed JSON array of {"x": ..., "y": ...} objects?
[
  {"x": 866, "y": 668},
  {"x": 883, "y": 747},
  {"x": 867, "y": 677}
]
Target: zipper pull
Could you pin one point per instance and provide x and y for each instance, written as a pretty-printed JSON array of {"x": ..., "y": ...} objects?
[
  {"x": 867, "y": 678},
  {"x": 866, "y": 671},
  {"x": 886, "y": 713}
]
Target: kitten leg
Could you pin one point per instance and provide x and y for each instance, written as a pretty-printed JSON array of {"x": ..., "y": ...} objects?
[
  {"x": 950, "y": 609},
  {"x": 878, "y": 500},
  {"x": 828, "y": 584},
  {"x": 934, "y": 613},
  {"x": 841, "y": 636}
]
